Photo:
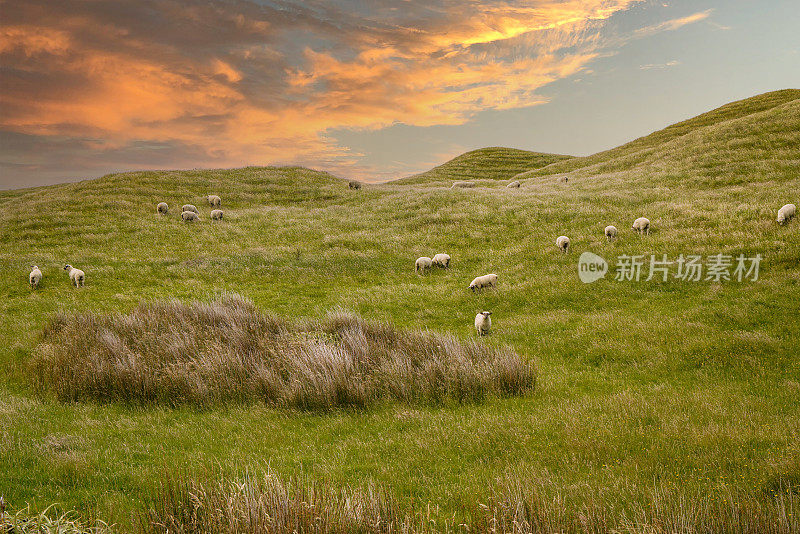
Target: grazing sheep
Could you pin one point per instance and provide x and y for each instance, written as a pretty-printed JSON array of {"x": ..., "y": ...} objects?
[
  {"x": 76, "y": 275},
  {"x": 441, "y": 260},
  {"x": 422, "y": 264},
  {"x": 642, "y": 225},
  {"x": 483, "y": 323},
  {"x": 562, "y": 242},
  {"x": 611, "y": 232},
  {"x": 190, "y": 216},
  {"x": 487, "y": 280},
  {"x": 786, "y": 213},
  {"x": 214, "y": 201},
  {"x": 162, "y": 208},
  {"x": 190, "y": 207},
  {"x": 216, "y": 215},
  {"x": 35, "y": 277},
  {"x": 462, "y": 184},
  {"x": 354, "y": 185},
  {"x": 515, "y": 183}
]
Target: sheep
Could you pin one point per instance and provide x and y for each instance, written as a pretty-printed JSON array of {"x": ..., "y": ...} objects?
[
  {"x": 611, "y": 232},
  {"x": 642, "y": 226},
  {"x": 162, "y": 208},
  {"x": 190, "y": 216},
  {"x": 487, "y": 280},
  {"x": 35, "y": 277},
  {"x": 214, "y": 201},
  {"x": 462, "y": 184},
  {"x": 216, "y": 215},
  {"x": 441, "y": 260},
  {"x": 422, "y": 264},
  {"x": 786, "y": 213},
  {"x": 515, "y": 183},
  {"x": 76, "y": 275},
  {"x": 189, "y": 207},
  {"x": 483, "y": 323},
  {"x": 562, "y": 242},
  {"x": 354, "y": 185}
]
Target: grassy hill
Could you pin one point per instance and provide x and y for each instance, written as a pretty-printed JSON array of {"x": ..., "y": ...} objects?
[
  {"x": 655, "y": 401},
  {"x": 739, "y": 142},
  {"x": 494, "y": 163}
]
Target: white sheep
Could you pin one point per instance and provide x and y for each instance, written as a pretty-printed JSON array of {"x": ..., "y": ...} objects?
[
  {"x": 515, "y": 183},
  {"x": 480, "y": 282},
  {"x": 462, "y": 184},
  {"x": 35, "y": 277},
  {"x": 76, "y": 275},
  {"x": 162, "y": 208},
  {"x": 216, "y": 215},
  {"x": 422, "y": 264},
  {"x": 786, "y": 213},
  {"x": 190, "y": 207},
  {"x": 483, "y": 323},
  {"x": 642, "y": 225},
  {"x": 190, "y": 216},
  {"x": 562, "y": 242},
  {"x": 441, "y": 260},
  {"x": 611, "y": 232},
  {"x": 214, "y": 201}
]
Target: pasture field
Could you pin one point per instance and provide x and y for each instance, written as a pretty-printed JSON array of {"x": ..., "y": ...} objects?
[{"x": 647, "y": 393}]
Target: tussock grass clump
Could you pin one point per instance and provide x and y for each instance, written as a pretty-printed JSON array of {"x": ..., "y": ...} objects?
[
  {"x": 173, "y": 353},
  {"x": 269, "y": 504}
]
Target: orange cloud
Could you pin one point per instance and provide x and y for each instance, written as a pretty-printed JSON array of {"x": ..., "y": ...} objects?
[{"x": 233, "y": 83}]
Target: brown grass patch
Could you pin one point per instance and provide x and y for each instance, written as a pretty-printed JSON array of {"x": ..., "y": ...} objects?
[{"x": 174, "y": 353}]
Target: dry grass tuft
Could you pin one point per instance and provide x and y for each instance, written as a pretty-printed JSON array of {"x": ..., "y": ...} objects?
[
  {"x": 269, "y": 504},
  {"x": 23, "y": 522},
  {"x": 203, "y": 354}
]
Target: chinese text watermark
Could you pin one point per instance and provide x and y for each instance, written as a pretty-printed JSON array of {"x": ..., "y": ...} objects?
[{"x": 689, "y": 268}]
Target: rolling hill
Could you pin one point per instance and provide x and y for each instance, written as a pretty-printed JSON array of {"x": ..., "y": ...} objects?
[
  {"x": 749, "y": 139},
  {"x": 493, "y": 163},
  {"x": 657, "y": 402}
]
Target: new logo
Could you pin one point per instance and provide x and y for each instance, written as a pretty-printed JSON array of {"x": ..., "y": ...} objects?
[{"x": 591, "y": 267}]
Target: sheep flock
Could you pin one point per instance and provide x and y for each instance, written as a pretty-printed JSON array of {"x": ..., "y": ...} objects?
[{"x": 423, "y": 265}]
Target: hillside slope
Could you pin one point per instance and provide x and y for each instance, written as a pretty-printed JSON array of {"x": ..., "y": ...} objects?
[
  {"x": 740, "y": 140},
  {"x": 493, "y": 163},
  {"x": 647, "y": 389}
]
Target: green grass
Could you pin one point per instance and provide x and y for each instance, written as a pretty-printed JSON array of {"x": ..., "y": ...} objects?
[
  {"x": 694, "y": 386},
  {"x": 494, "y": 163},
  {"x": 746, "y": 139}
]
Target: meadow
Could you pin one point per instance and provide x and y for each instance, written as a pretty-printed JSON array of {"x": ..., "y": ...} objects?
[{"x": 659, "y": 406}]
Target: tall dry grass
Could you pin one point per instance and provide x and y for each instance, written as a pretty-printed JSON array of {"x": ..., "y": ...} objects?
[
  {"x": 46, "y": 522},
  {"x": 270, "y": 504},
  {"x": 523, "y": 505},
  {"x": 173, "y": 353}
]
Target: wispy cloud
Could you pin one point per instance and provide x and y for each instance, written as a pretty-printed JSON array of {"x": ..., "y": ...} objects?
[
  {"x": 668, "y": 64},
  {"x": 674, "y": 24},
  {"x": 202, "y": 83}
]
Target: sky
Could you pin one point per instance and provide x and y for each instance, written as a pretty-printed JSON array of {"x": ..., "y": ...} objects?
[{"x": 372, "y": 90}]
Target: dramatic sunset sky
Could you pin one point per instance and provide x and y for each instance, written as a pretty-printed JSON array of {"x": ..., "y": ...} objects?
[{"x": 371, "y": 89}]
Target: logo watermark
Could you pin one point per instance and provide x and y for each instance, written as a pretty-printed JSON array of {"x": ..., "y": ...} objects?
[
  {"x": 689, "y": 268},
  {"x": 591, "y": 267}
]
